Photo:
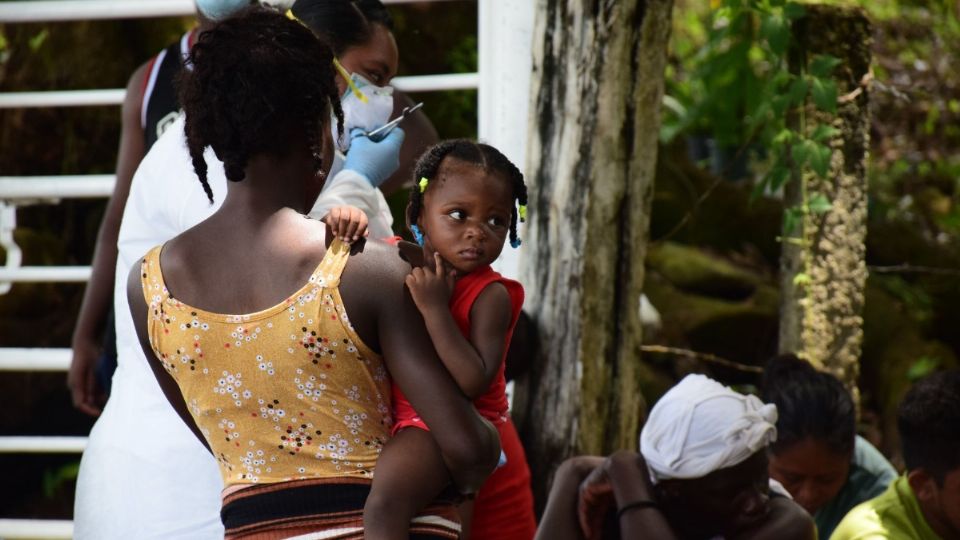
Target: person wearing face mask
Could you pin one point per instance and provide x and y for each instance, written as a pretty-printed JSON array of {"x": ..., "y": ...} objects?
[
  {"x": 701, "y": 473},
  {"x": 143, "y": 474}
]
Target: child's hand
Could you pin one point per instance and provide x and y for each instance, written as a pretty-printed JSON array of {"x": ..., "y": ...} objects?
[
  {"x": 347, "y": 223},
  {"x": 431, "y": 288}
]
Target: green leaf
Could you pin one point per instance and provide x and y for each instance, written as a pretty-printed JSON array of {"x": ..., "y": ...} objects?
[
  {"x": 776, "y": 31},
  {"x": 824, "y": 94},
  {"x": 783, "y": 137},
  {"x": 779, "y": 104},
  {"x": 791, "y": 220},
  {"x": 794, "y": 10},
  {"x": 798, "y": 91},
  {"x": 819, "y": 204},
  {"x": 778, "y": 177},
  {"x": 824, "y": 132},
  {"x": 800, "y": 153},
  {"x": 819, "y": 156},
  {"x": 924, "y": 366},
  {"x": 37, "y": 41},
  {"x": 823, "y": 65},
  {"x": 801, "y": 280}
]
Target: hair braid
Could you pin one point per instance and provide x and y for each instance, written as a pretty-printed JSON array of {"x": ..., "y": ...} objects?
[{"x": 255, "y": 77}]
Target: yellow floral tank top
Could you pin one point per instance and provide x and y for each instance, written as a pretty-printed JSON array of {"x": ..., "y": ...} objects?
[{"x": 287, "y": 393}]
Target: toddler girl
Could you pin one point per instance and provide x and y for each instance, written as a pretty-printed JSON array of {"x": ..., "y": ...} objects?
[{"x": 468, "y": 200}]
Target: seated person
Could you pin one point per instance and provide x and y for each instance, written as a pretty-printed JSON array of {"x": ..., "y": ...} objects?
[
  {"x": 924, "y": 503},
  {"x": 818, "y": 457},
  {"x": 701, "y": 473}
]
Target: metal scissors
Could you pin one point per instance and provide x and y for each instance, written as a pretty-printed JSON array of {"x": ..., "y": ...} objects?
[{"x": 378, "y": 134}]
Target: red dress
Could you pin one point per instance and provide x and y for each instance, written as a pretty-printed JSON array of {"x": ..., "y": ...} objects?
[{"x": 504, "y": 505}]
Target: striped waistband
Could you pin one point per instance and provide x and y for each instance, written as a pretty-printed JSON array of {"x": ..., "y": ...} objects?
[{"x": 319, "y": 509}]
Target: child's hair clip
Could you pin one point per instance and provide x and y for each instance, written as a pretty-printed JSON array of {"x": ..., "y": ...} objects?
[
  {"x": 515, "y": 243},
  {"x": 522, "y": 212},
  {"x": 423, "y": 183}
]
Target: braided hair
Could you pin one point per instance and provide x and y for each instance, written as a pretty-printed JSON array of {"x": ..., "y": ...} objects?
[
  {"x": 467, "y": 151},
  {"x": 257, "y": 81}
]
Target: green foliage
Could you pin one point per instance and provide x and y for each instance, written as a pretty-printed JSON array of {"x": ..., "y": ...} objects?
[
  {"x": 739, "y": 88},
  {"x": 925, "y": 365},
  {"x": 54, "y": 479}
]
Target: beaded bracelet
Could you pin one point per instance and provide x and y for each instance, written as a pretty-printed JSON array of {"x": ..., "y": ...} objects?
[{"x": 635, "y": 504}]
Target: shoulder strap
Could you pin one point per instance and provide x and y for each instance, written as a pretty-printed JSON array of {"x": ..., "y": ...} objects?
[
  {"x": 151, "y": 278},
  {"x": 333, "y": 263}
]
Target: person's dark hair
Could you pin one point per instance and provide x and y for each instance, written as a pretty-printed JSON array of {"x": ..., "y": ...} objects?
[
  {"x": 257, "y": 81},
  {"x": 810, "y": 404},
  {"x": 929, "y": 424},
  {"x": 482, "y": 155},
  {"x": 343, "y": 23}
]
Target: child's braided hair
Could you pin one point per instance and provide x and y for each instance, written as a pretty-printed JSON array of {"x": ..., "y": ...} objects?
[
  {"x": 257, "y": 81},
  {"x": 482, "y": 155}
]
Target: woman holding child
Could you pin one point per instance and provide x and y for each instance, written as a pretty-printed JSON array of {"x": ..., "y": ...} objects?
[{"x": 286, "y": 382}]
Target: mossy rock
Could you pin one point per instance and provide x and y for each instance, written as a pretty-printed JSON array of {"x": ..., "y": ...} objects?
[{"x": 710, "y": 305}]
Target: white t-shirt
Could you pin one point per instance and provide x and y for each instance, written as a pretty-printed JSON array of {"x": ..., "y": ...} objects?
[{"x": 144, "y": 474}]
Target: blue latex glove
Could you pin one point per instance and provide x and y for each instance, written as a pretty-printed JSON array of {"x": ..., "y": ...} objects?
[{"x": 376, "y": 161}]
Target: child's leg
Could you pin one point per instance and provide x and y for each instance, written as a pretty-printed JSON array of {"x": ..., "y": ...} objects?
[{"x": 410, "y": 474}]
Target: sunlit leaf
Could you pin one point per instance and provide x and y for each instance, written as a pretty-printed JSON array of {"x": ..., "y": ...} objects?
[
  {"x": 819, "y": 204},
  {"x": 824, "y": 94},
  {"x": 823, "y": 65},
  {"x": 776, "y": 31},
  {"x": 791, "y": 220},
  {"x": 824, "y": 132},
  {"x": 819, "y": 156}
]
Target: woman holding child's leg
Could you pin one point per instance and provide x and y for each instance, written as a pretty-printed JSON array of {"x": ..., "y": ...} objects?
[
  {"x": 291, "y": 394},
  {"x": 468, "y": 201}
]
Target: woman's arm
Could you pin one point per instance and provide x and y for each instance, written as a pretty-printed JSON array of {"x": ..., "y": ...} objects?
[
  {"x": 139, "y": 312},
  {"x": 475, "y": 362},
  {"x": 88, "y": 332}
]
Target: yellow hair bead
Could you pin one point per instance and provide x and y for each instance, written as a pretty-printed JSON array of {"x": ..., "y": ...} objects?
[
  {"x": 522, "y": 212},
  {"x": 290, "y": 15},
  {"x": 423, "y": 183}
]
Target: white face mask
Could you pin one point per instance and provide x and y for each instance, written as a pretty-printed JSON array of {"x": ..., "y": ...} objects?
[{"x": 357, "y": 114}]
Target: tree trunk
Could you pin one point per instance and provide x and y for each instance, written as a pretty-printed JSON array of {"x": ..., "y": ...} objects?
[
  {"x": 596, "y": 93},
  {"x": 822, "y": 316}
]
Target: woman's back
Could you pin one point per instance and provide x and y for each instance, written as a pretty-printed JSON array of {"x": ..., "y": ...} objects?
[{"x": 295, "y": 394}]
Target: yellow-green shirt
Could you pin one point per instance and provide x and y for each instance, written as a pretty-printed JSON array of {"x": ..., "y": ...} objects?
[{"x": 894, "y": 514}]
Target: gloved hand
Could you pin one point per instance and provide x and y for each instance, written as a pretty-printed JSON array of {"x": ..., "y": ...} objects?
[{"x": 376, "y": 161}]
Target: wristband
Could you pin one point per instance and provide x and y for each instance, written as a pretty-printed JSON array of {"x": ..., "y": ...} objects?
[{"x": 645, "y": 503}]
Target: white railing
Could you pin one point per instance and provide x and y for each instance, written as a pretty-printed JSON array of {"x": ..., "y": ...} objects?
[
  {"x": 92, "y": 98},
  {"x": 30, "y": 529},
  {"x": 34, "y": 359},
  {"x": 81, "y": 10}
]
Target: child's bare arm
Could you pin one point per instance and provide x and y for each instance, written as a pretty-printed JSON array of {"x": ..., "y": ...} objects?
[
  {"x": 475, "y": 362},
  {"x": 348, "y": 223}
]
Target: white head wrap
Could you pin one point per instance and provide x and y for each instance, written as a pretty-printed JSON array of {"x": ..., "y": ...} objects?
[{"x": 701, "y": 426}]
